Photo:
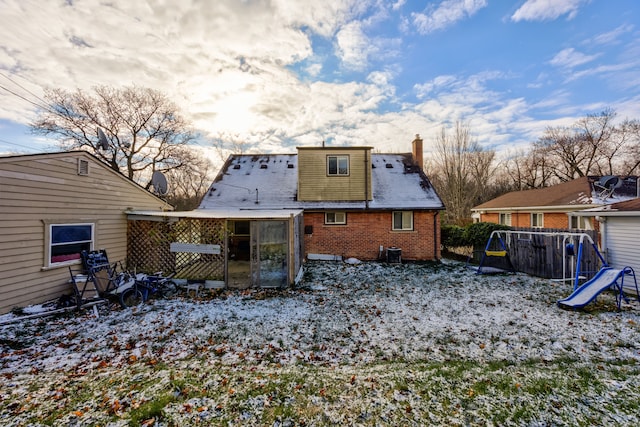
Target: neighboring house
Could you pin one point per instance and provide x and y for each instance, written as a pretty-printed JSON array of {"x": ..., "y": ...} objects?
[
  {"x": 619, "y": 233},
  {"x": 52, "y": 206},
  {"x": 323, "y": 202},
  {"x": 549, "y": 207}
]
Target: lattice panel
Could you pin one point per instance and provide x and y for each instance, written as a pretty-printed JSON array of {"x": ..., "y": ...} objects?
[{"x": 149, "y": 247}]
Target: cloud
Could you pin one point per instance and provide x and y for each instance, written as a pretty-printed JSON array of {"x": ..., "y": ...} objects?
[
  {"x": 611, "y": 37},
  {"x": 570, "y": 58},
  {"x": 353, "y": 46},
  {"x": 446, "y": 14},
  {"x": 547, "y": 10}
]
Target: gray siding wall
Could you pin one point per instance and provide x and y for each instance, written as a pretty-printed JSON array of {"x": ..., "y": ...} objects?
[{"x": 36, "y": 191}]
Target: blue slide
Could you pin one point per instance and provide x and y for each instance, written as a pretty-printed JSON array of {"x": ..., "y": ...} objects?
[{"x": 586, "y": 293}]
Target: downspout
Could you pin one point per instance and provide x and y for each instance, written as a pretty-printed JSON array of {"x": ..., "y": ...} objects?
[
  {"x": 291, "y": 251},
  {"x": 366, "y": 179},
  {"x": 435, "y": 236},
  {"x": 602, "y": 220}
]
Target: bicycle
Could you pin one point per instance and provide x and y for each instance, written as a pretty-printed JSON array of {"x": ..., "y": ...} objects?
[{"x": 146, "y": 286}]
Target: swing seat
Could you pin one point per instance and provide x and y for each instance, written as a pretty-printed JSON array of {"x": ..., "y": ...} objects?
[{"x": 496, "y": 253}]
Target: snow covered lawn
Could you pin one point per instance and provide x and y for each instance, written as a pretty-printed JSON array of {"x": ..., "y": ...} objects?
[{"x": 367, "y": 344}]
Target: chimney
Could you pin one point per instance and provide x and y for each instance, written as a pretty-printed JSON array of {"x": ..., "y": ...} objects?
[{"x": 416, "y": 151}]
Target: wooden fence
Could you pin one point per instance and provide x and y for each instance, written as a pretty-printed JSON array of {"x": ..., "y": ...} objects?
[{"x": 543, "y": 253}]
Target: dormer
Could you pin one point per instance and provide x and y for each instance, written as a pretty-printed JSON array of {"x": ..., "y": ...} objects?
[{"x": 334, "y": 174}]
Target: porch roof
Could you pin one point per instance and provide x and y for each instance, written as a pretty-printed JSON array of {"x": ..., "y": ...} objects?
[{"x": 220, "y": 213}]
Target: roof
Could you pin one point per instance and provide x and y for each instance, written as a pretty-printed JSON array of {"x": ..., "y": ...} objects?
[
  {"x": 626, "y": 208},
  {"x": 244, "y": 183},
  {"x": 221, "y": 213},
  {"x": 578, "y": 193}
]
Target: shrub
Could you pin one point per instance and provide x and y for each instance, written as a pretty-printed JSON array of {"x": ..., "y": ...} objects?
[
  {"x": 451, "y": 236},
  {"x": 477, "y": 234}
]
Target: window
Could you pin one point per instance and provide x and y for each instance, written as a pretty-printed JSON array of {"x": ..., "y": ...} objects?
[
  {"x": 66, "y": 241},
  {"x": 505, "y": 219},
  {"x": 579, "y": 223},
  {"x": 537, "y": 220},
  {"x": 332, "y": 218},
  {"x": 337, "y": 165},
  {"x": 403, "y": 220}
]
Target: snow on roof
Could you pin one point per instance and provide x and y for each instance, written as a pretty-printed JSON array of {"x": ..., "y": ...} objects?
[
  {"x": 270, "y": 181},
  {"x": 221, "y": 213}
]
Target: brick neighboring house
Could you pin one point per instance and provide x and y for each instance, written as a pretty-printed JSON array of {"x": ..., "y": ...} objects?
[
  {"x": 551, "y": 207},
  {"x": 355, "y": 203}
]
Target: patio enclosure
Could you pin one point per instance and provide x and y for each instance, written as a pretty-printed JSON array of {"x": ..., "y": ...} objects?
[{"x": 239, "y": 252}]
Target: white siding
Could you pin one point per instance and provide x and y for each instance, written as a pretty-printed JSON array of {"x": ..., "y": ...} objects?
[{"x": 622, "y": 242}]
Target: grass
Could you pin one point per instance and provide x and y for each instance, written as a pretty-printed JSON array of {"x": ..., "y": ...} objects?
[
  {"x": 452, "y": 393},
  {"x": 215, "y": 384}
]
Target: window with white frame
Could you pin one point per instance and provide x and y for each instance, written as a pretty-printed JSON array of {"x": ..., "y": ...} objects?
[
  {"x": 537, "y": 220},
  {"x": 402, "y": 220},
  {"x": 335, "y": 218},
  {"x": 66, "y": 241},
  {"x": 505, "y": 219},
  {"x": 338, "y": 165},
  {"x": 579, "y": 223}
]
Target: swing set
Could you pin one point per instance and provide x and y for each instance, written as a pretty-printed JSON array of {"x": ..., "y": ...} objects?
[{"x": 496, "y": 255}]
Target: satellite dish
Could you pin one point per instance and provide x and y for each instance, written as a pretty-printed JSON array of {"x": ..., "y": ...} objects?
[
  {"x": 606, "y": 185},
  {"x": 103, "y": 142},
  {"x": 610, "y": 181},
  {"x": 159, "y": 183}
]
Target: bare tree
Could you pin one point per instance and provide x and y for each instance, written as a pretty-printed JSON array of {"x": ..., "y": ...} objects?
[
  {"x": 189, "y": 182},
  {"x": 460, "y": 170},
  {"x": 622, "y": 155},
  {"x": 144, "y": 130},
  {"x": 528, "y": 170},
  {"x": 582, "y": 149}
]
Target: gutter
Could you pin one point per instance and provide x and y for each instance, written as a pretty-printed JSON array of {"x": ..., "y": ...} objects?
[{"x": 536, "y": 208}]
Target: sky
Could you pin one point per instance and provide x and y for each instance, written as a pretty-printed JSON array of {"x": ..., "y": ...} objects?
[{"x": 270, "y": 76}]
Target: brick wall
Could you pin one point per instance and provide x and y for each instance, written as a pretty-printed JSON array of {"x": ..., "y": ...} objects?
[
  {"x": 365, "y": 232},
  {"x": 555, "y": 220}
]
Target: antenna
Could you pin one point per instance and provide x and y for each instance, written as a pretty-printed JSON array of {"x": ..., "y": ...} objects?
[
  {"x": 103, "y": 142},
  {"x": 159, "y": 183}
]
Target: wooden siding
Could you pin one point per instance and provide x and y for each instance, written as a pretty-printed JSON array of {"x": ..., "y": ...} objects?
[
  {"x": 622, "y": 246},
  {"x": 39, "y": 190},
  {"x": 315, "y": 185}
]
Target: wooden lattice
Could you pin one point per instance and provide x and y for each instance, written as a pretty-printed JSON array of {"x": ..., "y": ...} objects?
[{"x": 148, "y": 247}]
